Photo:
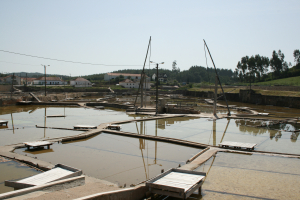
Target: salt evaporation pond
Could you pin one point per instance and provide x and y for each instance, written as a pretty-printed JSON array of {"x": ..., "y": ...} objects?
[
  {"x": 23, "y": 119},
  {"x": 11, "y": 170},
  {"x": 118, "y": 159},
  {"x": 213, "y": 132}
]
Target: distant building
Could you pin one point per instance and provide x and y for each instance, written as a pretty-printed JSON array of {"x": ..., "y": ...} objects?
[
  {"x": 49, "y": 81},
  {"x": 80, "y": 82},
  {"x": 28, "y": 81},
  {"x": 109, "y": 76},
  {"x": 134, "y": 84},
  {"x": 161, "y": 78},
  {"x": 153, "y": 76},
  {"x": 8, "y": 80}
]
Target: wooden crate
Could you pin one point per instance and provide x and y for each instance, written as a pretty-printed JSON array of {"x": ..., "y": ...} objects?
[{"x": 176, "y": 183}]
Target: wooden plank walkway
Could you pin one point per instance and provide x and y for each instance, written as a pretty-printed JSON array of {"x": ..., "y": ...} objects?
[{"x": 237, "y": 145}]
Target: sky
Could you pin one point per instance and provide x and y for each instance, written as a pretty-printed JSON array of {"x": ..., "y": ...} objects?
[{"x": 114, "y": 34}]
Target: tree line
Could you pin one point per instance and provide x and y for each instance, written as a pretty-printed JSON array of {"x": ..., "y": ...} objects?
[
  {"x": 261, "y": 68},
  {"x": 195, "y": 74}
]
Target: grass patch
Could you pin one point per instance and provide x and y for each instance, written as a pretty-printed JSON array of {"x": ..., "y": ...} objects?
[
  {"x": 262, "y": 92},
  {"x": 291, "y": 81}
]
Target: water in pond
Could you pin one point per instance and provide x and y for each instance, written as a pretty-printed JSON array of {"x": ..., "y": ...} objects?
[
  {"x": 213, "y": 132},
  {"x": 22, "y": 121},
  {"x": 11, "y": 170},
  {"x": 118, "y": 159},
  {"x": 239, "y": 176}
]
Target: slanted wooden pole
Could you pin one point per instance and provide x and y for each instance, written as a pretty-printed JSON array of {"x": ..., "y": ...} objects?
[
  {"x": 141, "y": 82},
  {"x": 218, "y": 77}
]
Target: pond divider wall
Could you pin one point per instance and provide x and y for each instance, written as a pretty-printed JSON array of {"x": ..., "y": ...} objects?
[{"x": 249, "y": 96}]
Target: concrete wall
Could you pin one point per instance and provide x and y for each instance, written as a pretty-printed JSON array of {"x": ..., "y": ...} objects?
[
  {"x": 249, "y": 96},
  {"x": 10, "y": 101},
  {"x": 137, "y": 193}
]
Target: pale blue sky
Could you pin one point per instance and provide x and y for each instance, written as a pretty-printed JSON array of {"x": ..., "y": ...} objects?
[{"x": 117, "y": 33}]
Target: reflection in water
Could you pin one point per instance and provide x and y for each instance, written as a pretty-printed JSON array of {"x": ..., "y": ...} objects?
[
  {"x": 142, "y": 147},
  {"x": 214, "y": 132},
  {"x": 117, "y": 159},
  {"x": 11, "y": 170},
  {"x": 12, "y": 121},
  {"x": 274, "y": 128},
  {"x": 45, "y": 123},
  {"x": 228, "y": 121}
]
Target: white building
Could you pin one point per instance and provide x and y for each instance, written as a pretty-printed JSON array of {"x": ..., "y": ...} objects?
[
  {"x": 80, "y": 82},
  {"x": 134, "y": 84},
  {"x": 49, "y": 81},
  {"x": 109, "y": 76}
]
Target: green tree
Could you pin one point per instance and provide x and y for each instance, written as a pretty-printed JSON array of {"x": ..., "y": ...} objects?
[
  {"x": 296, "y": 56},
  {"x": 277, "y": 63}
]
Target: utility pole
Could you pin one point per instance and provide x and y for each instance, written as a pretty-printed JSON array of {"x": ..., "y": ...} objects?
[
  {"x": 12, "y": 84},
  {"x": 45, "y": 78},
  {"x": 156, "y": 85}
]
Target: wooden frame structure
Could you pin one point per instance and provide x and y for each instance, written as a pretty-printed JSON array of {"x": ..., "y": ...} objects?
[
  {"x": 37, "y": 144},
  {"x": 3, "y": 123},
  {"x": 85, "y": 127},
  {"x": 114, "y": 126},
  {"x": 237, "y": 145},
  {"x": 177, "y": 183}
]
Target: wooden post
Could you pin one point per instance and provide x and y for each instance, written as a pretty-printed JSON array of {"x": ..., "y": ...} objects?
[
  {"x": 142, "y": 89},
  {"x": 156, "y": 89},
  {"x": 45, "y": 80},
  {"x": 12, "y": 85},
  {"x": 216, "y": 91},
  {"x": 214, "y": 132}
]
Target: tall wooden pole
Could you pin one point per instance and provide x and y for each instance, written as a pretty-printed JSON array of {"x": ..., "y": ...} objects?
[
  {"x": 216, "y": 91},
  {"x": 12, "y": 84},
  {"x": 45, "y": 81},
  {"x": 142, "y": 77},
  {"x": 156, "y": 89}
]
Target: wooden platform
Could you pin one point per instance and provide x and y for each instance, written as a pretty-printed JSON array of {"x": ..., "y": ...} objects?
[
  {"x": 85, "y": 127},
  {"x": 3, "y": 123},
  {"x": 237, "y": 145},
  {"x": 114, "y": 126},
  {"x": 177, "y": 183},
  {"x": 37, "y": 144},
  {"x": 59, "y": 172}
]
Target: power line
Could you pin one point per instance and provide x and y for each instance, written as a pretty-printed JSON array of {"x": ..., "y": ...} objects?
[
  {"x": 68, "y": 61},
  {"x": 18, "y": 63}
]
